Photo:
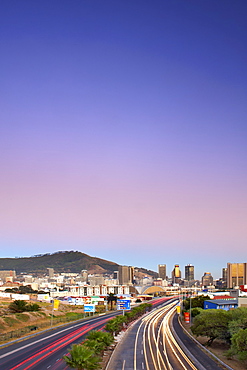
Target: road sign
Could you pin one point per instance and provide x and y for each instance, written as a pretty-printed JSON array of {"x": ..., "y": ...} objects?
[
  {"x": 89, "y": 308},
  {"x": 123, "y": 304}
]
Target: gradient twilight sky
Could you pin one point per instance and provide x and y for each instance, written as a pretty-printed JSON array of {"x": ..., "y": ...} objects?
[{"x": 123, "y": 130}]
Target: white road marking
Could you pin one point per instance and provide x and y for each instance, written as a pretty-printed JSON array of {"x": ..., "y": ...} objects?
[{"x": 39, "y": 340}]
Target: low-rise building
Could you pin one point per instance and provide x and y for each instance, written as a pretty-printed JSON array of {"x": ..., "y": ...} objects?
[{"x": 221, "y": 304}]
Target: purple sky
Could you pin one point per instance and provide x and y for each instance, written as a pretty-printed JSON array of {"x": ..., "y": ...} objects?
[{"x": 123, "y": 130}]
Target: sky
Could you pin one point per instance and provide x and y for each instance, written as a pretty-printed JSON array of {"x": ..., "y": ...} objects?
[{"x": 123, "y": 131}]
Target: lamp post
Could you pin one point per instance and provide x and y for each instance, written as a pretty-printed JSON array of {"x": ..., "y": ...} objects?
[
  {"x": 52, "y": 312},
  {"x": 190, "y": 309}
]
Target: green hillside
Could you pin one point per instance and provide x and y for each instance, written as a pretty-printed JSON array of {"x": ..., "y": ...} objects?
[
  {"x": 63, "y": 261},
  {"x": 68, "y": 261}
]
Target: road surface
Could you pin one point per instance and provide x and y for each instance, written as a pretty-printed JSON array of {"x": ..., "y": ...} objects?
[{"x": 151, "y": 345}]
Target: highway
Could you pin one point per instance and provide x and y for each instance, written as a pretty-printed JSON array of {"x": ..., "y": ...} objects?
[
  {"x": 150, "y": 345},
  {"x": 45, "y": 350}
]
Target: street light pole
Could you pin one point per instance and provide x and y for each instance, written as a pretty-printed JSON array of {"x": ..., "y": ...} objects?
[{"x": 190, "y": 309}]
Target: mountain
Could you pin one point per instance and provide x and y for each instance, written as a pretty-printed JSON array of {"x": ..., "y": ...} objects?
[
  {"x": 62, "y": 261},
  {"x": 67, "y": 261}
]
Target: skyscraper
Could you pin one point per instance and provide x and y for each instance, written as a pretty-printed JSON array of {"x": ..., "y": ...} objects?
[
  {"x": 189, "y": 272},
  {"x": 50, "y": 272},
  {"x": 176, "y": 274},
  {"x": 207, "y": 279},
  {"x": 125, "y": 275},
  {"x": 224, "y": 274},
  {"x": 236, "y": 274},
  {"x": 162, "y": 271}
]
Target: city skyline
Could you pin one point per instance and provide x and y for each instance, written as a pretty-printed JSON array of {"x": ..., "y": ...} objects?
[{"x": 123, "y": 131}]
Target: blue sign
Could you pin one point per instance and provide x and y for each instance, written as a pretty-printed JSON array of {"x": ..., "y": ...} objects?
[
  {"x": 89, "y": 307},
  {"x": 123, "y": 304}
]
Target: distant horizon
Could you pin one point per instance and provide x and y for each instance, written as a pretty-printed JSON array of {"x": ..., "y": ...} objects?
[{"x": 124, "y": 264}]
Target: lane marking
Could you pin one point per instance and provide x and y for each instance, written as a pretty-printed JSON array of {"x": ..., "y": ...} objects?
[
  {"x": 87, "y": 323},
  {"x": 123, "y": 365}
]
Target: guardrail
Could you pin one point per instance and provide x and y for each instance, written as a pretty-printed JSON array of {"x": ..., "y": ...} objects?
[{"x": 202, "y": 347}]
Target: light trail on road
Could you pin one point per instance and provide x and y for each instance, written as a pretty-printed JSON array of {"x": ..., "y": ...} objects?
[
  {"x": 160, "y": 349},
  {"x": 33, "y": 354}
]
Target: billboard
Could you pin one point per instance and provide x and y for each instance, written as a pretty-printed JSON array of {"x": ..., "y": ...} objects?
[
  {"x": 123, "y": 304},
  {"x": 89, "y": 308}
]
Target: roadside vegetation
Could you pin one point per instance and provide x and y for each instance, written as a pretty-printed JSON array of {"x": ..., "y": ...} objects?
[
  {"x": 195, "y": 304},
  {"x": 22, "y": 306},
  {"x": 228, "y": 326},
  {"x": 19, "y": 318},
  {"x": 88, "y": 355}
]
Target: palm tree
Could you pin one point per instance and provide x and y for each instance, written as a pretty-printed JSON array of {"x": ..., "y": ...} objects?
[
  {"x": 82, "y": 358},
  {"x": 101, "y": 336},
  {"x": 111, "y": 298},
  {"x": 95, "y": 345}
]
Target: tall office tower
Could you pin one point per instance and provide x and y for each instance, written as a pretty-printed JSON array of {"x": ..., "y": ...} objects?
[
  {"x": 207, "y": 279},
  {"x": 176, "y": 274},
  {"x": 162, "y": 271},
  {"x": 115, "y": 275},
  {"x": 125, "y": 275},
  {"x": 50, "y": 272},
  {"x": 189, "y": 272},
  {"x": 236, "y": 274},
  {"x": 84, "y": 275},
  {"x": 224, "y": 274},
  {"x": 6, "y": 274}
]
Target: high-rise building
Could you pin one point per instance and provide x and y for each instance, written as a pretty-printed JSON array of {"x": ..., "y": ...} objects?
[
  {"x": 189, "y": 272},
  {"x": 84, "y": 275},
  {"x": 7, "y": 275},
  {"x": 125, "y": 275},
  {"x": 236, "y": 274},
  {"x": 224, "y": 274},
  {"x": 162, "y": 271},
  {"x": 50, "y": 272},
  {"x": 207, "y": 279},
  {"x": 176, "y": 274},
  {"x": 115, "y": 275}
]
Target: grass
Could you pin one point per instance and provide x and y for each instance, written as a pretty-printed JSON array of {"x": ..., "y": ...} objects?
[
  {"x": 10, "y": 321},
  {"x": 22, "y": 317}
]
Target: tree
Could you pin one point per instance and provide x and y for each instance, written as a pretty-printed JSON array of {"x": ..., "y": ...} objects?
[
  {"x": 33, "y": 307},
  {"x": 101, "y": 336},
  {"x": 18, "y": 306},
  {"x": 238, "y": 319},
  {"x": 196, "y": 311},
  {"x": 212, "y": 324},
  {"x": 195, "y": 302},
  {"x": 111, "y": 298},
  {"x": 112, "y": 326},
  {"x": 82, "y": 358},
  {"x": 22, "y": 306},
  {"x": 96, "y": 346},
  {"x": 239, "y": 344}
]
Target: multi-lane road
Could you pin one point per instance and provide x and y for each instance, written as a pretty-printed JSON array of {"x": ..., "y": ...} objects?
[
  {"x": 45, "y": 351},
  {"x": 149, "y": 344}
]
